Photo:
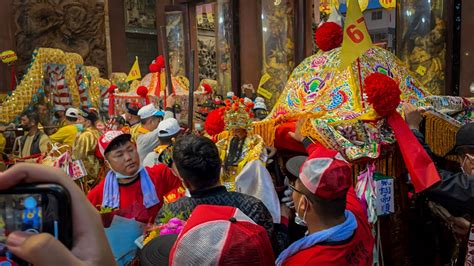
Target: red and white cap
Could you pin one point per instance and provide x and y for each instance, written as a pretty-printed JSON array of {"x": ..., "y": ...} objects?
[
  {"x": 110, "y": 136},
  {"x": 221, "y": 235},
  {"x": 326, "y": 174}
]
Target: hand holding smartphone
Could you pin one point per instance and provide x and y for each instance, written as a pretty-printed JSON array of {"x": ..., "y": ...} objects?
[{"x": 88, "y": 244}]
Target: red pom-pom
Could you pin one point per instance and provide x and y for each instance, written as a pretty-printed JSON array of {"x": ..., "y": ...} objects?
[
  {"x": 234, "y": 98},
  {"x": 250, "y": 105},
  {"x": 142, "y": 91},
  {"x": 247, "y": 109},
  {"x": 153, "y": 68},
  {"x": 383, "y": 93},
  {"x": 160, "y": 62},
  {"x": 112, "y": 88},
  {"x": 207, "y": 88},
  {"x": 227, "y": 102},
  {"x": 242, "y": 100},
  {"x": 215, "y": 122},
  {"x": 328, "y": 36},
  {"x": 251, "y": 115}
]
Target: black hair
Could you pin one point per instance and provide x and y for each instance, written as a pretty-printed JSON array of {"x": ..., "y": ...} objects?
[
  {"x": 197, "y": 160},
  {"x": 32, "y": 116},
  {"x": 72, "y": 119},
  {"x": 117, "y": 143},
  {"x": 326, "y": 209}
]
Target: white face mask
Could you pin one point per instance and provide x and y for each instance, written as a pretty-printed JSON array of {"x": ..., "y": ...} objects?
[
  {"x": 468, "y": 157},
  {"x": 122, "y": 176},
  {"x": 298, "y": 219}
]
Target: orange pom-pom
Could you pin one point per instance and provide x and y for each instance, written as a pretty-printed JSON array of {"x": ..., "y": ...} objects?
[
  {"x": 235, "y": 108},
  {"x": 242, "y": 100},
  {"x": 227, "y": 108},
  {"x": 234, "y": 98}
]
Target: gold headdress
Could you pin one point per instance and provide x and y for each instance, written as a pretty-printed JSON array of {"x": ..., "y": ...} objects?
[{"x": 237, "y": 114}]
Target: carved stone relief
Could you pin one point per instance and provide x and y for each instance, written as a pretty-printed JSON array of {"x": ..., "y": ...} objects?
[{"x": 70, "y": 25}]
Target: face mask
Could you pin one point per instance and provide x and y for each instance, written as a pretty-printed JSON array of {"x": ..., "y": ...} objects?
[
  {"x": 462, "y": 167},
  {"x": 122, "y": 176},
  {"x": 80, "y": 127},
  {"x": 298, "y": 219}
]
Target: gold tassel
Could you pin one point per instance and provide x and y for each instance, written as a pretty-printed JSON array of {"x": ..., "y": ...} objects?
[{"x": 440, "y": 134}]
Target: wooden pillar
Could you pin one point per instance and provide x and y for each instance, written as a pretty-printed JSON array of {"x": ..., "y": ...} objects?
[
  {"x": 467, "y": 49},
  {"x": 118, "y": 44},
  {"x": 7, "y": 37},
  {"x": 250, "y": 26}
]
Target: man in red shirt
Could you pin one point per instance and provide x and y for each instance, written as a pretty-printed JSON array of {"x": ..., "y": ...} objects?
[
  {"x": 325, "y": 202},
  {"x": 129, "y": 189}
]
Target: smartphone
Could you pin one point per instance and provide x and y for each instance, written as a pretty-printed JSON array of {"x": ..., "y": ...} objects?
[{"x": 34, "y": 208}]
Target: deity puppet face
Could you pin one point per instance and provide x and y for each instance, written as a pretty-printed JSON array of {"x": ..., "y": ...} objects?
[{"x": 240, "y": 133}]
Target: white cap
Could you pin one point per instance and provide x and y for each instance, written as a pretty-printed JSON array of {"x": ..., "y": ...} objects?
[
  {"x": 72, "y": 112},
  {"x": 260, "y": 105},
  {"x": 230, "y": 94},
  {"x": 149, "y": 111},
  {"x": 168, "y": 127},
  {"x": 259, "y": 100},
  {"x": 247, "y": 100}
]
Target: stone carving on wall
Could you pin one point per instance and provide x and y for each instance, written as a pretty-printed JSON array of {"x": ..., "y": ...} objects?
[{"x": 70, "y": 25}]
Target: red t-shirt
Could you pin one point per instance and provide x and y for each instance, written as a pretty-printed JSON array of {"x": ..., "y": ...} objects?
[
  {"x": 357, "y": 251},
  {"x": 131, "y": 196}
]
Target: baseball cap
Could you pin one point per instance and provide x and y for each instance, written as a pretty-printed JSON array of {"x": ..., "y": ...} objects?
[
  {"x": 133, "y": 108},
  {"x": 90, "y": 115},
  {"x": 221, "y": 235},
  {"x": 110, "y": 137},
  {"x": 326, "y": 174},
  {"x": 157, "y": 251},
  {"x": 149, "y": 111},
  {"x": 168, "y": 127},
  {"x": 293, "y": 165},
  {"x": 72, "y": 112},
  {"x": 464, "y": 138}
]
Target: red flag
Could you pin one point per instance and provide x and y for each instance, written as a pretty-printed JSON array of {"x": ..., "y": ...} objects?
[{"x": 422, "y": 170}]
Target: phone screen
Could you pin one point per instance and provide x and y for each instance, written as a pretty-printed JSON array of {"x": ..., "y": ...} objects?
[{"x": 33, "y": 213}]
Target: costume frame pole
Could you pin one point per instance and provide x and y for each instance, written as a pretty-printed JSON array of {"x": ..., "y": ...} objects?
[{"x": 164, "y": 43}]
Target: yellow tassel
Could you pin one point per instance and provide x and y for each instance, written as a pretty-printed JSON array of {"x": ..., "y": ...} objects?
[{"x": 440, "y": 134}]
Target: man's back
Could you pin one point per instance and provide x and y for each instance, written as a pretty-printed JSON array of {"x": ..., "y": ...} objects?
[
  {"x": 65, "y": 135},
  {"x": 357, "y": 250},
  {"x": 252, "y": 207}
]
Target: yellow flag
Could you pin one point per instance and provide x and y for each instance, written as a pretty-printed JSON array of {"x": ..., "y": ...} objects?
[
  {"x": 356, "y": 38},
  {"x": 388, "y": 3},
  {"x": 134, "y": 71}
]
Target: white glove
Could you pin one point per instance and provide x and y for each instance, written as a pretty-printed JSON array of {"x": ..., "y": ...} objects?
[{"x": 288, "y": 199}]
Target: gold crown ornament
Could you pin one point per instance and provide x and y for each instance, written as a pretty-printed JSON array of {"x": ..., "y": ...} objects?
[{"x": 238, "y": 114}]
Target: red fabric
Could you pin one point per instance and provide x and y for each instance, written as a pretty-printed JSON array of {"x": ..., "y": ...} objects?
[
  {"x": 358, "y": 251},
  {"x": 283, "y": 141},
  {"x": 422, "y": 170},
  {"x": 131, "y": 197}
]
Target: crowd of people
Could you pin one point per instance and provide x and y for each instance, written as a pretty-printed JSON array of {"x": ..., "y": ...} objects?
[{"x": 144, "y": 167}]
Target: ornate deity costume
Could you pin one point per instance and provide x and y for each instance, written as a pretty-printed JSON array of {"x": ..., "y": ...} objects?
[
  {"x": 84, "y": 149},
  {"x": 244, "y": 158}
]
